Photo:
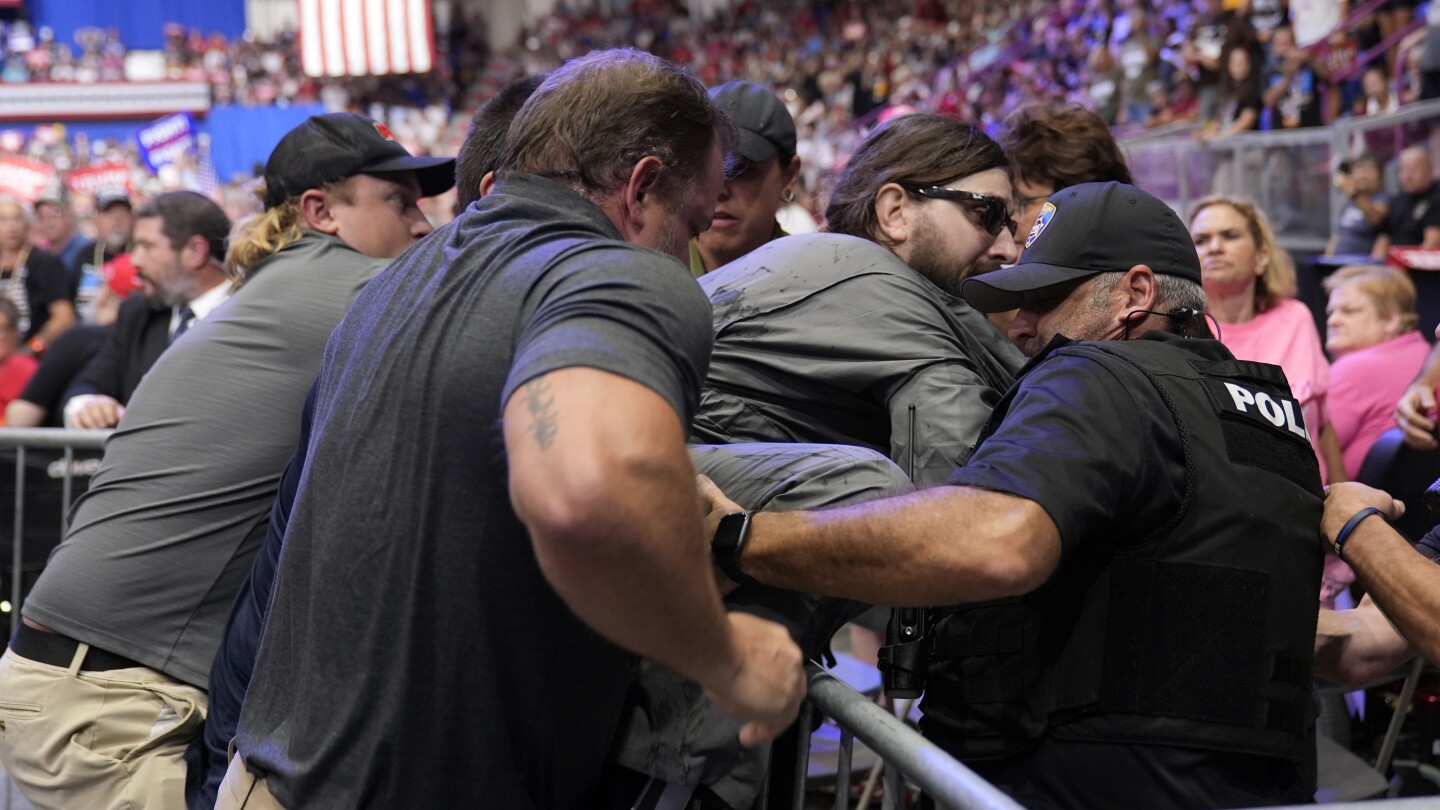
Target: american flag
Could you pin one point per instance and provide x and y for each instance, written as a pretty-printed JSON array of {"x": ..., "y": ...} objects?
[
  {"x": 207, "y": 181},
  {"x": 366, "y": 37}
]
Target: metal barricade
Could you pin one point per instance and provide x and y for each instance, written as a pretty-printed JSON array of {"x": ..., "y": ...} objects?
[
  {"x": 906, "y": 754},
  {"x": 909, "y": 757},
  {"x": 20, "y": 440},
  {"x": 1286, "y": 172}
]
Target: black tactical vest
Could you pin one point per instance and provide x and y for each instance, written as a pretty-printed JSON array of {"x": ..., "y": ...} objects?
[{"x": 1196, "y": 633}]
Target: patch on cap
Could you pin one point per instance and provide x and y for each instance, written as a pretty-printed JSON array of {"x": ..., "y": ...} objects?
[
  {"x": 384, "y": 131},
  {"x": 1047, "y": 213}
]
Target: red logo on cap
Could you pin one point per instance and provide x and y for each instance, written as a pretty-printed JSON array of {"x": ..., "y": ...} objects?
[{"x": 384, "y": 131}]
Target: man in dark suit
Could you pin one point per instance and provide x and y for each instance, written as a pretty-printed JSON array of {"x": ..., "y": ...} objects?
[{"x": 178, "y": 254}]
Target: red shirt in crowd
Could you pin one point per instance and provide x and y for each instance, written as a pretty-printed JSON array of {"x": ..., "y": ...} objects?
[{"x": 15, "y": 372}]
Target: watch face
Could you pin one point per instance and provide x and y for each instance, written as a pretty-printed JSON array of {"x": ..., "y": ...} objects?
[
  {"x": 731, "y": 529},
  {"x": 729, "y": 544}
]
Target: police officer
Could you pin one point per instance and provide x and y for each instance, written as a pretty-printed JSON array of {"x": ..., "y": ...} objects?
[{"x": 1142, "y": 509}]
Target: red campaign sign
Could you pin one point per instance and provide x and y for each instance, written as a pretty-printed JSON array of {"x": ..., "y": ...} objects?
[
  {"x": 94, "y": 179},
  {"x": 24, "y": 178}
]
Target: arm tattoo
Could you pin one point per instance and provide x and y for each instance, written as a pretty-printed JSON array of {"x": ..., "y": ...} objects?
[{"x": 542, "y": 409}]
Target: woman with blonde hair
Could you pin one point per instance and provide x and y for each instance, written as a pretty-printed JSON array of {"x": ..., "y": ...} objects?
[
  {"x": 1250, "y": 282},
  {"x": 1370, "y": 331}
]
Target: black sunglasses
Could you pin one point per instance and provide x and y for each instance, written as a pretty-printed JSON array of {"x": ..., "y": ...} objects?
[{"x": 994, "y": 216}]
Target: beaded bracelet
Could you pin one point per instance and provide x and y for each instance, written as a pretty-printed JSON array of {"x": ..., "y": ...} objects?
[{"x": 1350, "y": 527}]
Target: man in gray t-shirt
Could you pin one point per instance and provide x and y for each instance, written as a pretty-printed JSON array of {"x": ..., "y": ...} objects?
[
  {"x": 113, "y": 657},
  {"x": 854, "y": 337},
  {"x": 497, "y": 511}
]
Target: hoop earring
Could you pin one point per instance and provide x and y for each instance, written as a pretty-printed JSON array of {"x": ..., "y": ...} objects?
[{"x": 788, "y": 195}]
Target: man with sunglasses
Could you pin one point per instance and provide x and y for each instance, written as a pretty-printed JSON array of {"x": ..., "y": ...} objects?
[
  {"x": 857, "y": 335},
  {"x": 1128, "y": 558}
]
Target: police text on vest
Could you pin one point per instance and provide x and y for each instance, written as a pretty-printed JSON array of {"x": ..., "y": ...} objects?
[{"x": 1279, "y": 414}]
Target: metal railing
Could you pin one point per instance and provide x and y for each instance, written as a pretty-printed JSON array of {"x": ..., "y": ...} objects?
[
  {"x": 908, "y": 758},
  {"x": 1287, "y": 173},
  {"x": 906, "y": 755},
  {"x": 20, "y": 440}
]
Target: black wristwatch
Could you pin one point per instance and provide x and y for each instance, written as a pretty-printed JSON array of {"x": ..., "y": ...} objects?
[{"x": 729, "y": 543}]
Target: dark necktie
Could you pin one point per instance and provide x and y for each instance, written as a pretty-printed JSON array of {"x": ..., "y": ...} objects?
[{"x": 187, "y": 317}]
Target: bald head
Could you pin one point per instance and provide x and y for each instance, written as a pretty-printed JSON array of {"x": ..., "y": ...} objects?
[{"x": 1416, "y": 173}]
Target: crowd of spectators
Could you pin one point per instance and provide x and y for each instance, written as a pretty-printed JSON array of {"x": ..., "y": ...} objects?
[
  {"x": 840, "y": 65},
  {"x": 1231, "y": 65}
]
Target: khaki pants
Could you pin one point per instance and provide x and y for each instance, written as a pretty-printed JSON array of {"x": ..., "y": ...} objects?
[
  {"x": 242, "y": 789},
  {"x": 112, "y": 739}
]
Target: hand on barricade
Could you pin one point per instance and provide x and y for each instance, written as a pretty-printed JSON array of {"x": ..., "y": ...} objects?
[
  {"x": 766, "y": 690},
  {"x": 98, "y": 413}
]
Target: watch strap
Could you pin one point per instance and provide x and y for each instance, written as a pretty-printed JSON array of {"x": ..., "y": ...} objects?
[{"x": 729, "y": 543}]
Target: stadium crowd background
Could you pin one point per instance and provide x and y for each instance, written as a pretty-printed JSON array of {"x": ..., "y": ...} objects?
[{"x": 838, "y": 65}]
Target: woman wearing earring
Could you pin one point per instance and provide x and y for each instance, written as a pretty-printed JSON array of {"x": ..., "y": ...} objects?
[
  {"x": 745, "y": 212},
  {"x": 1250, "y": 281}
]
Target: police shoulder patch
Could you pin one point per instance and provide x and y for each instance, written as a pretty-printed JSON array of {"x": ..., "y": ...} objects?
[
  {"x": 1272, "y": 410},
  {"x": 1047, "y": 213}
]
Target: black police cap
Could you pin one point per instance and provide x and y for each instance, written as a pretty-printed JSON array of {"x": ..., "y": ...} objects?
[
  {"x": 1086, "y": 230},
  {"x": 331, "y": 147}
]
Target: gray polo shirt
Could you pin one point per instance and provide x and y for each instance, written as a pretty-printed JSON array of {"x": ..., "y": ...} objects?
[{"x": 165, "y": 535}]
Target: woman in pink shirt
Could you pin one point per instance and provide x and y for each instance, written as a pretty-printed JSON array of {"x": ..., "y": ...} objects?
[
  {"x": 1250, "y": 281},
  {"x": 1371, "y": 333}
]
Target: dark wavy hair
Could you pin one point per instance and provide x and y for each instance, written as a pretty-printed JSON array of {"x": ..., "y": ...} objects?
[
  {"x": 184, "y": 214},
  {"x": 1060, "y": 145},
  {"x": 912, "y": 151}
]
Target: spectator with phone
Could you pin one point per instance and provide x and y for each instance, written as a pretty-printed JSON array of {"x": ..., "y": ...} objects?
[{"x": 1366, "y": 209}]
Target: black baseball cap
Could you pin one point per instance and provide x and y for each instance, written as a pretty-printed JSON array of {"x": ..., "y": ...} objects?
[
  {"x": 331, "y": 147},
  {"x": 766, "y": 128},
  {"x": 106, "y": 197},
  {"x": 1086, "y": 230}
]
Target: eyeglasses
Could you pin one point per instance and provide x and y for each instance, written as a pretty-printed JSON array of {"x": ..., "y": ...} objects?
[{"x": 994, "y": 216}]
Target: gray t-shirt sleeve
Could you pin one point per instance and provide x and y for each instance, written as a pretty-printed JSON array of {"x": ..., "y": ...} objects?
[{"x": 627, "y": 311}]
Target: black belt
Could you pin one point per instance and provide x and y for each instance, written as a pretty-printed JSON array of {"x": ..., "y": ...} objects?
[{"x": 58, "y": 651}]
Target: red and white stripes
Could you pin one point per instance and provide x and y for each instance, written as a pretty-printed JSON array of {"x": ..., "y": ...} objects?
[{"x": 366, "y": 37}]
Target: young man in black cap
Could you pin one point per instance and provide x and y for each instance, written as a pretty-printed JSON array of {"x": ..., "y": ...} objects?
[
  {"x": 113, "y": 657},
  {"x": 745, "y": 213},
  {"x": 1152, "y": 502}
]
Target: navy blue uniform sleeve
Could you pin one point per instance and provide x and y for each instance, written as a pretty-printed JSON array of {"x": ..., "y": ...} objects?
[
  {"x": 627, "y": 311},
  {"x": 1429, "y": 545},
  {"x": 1088, "y": 446}
]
